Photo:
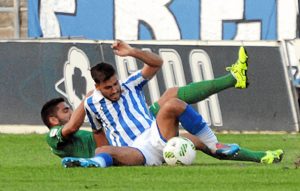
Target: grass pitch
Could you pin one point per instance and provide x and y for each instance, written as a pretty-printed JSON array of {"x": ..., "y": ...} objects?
[{"x": 26, "y": 163}]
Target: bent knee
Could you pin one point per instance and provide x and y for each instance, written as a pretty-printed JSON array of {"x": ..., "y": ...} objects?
[
  {"x": 174, "y": 105},
  {"x": 170, "y": 93}
]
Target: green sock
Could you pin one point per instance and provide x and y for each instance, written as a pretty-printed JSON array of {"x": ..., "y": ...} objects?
[
  {"x": 198, "y": 91},
  {"x": 247, "y": 155}
]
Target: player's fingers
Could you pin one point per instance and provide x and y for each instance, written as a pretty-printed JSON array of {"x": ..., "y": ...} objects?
[
  {"x": 116, "y": 44},
  {"x": 116, "y": 52}
]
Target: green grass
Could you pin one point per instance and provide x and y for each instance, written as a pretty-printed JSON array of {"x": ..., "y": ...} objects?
[{"x": 26, "y": 163}]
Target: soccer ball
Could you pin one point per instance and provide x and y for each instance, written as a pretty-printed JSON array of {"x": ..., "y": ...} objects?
[{"x": 179, "y": 150}]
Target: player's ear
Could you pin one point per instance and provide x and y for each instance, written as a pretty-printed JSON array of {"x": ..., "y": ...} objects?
[
  {"x": 97, "y": 86},
  {"x": 53, "y": 120}
]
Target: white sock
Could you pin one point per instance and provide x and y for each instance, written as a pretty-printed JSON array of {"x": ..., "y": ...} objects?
[
  {"x": 207, "y": 136},
  {"x": 99, "y": 160}
]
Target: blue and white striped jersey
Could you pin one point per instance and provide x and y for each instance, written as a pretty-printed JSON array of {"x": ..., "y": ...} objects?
[{"x": 124, "y": 119}]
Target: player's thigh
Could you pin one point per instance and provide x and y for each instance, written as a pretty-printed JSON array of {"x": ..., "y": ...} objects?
[{"x": 167, "y": 118}]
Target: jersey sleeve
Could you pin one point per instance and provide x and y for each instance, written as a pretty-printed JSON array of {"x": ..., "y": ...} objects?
[
  {"x": 54, "y": 137},
  {"x": 94, "y": 122},
  {"x": 136, "y": 80}
]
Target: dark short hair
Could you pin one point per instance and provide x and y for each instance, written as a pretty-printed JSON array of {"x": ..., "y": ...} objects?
[
  {"x": 49, "y": 109},
  {"x": 102, "y": 72}
]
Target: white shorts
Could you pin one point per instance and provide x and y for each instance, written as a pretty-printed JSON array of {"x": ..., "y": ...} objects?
[{"x": 151, "y": 144}]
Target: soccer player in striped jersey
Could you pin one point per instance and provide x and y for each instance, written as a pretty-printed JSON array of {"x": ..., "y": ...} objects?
[{"x": 134, "y": 135}]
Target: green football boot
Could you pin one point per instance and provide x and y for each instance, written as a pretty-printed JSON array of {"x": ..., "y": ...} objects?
[
  {"x": 272, "y": 157},
  {"x": 239, "y": 69}
]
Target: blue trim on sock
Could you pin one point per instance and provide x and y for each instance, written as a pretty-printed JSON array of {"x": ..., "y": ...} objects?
[
  {"x": 192, "y": 121},
  {"x": 107, "y": 158}
]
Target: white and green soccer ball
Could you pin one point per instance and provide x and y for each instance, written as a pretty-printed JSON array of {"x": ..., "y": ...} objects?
[{"x": 179, "y": 150}]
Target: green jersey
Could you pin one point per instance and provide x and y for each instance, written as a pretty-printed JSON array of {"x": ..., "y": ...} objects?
[{"x": 80, "y": 144}]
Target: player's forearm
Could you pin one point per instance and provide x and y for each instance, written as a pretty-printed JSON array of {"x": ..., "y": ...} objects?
[
  {"x": 75, "y": 121},
  {"x": 78, "y": 116}
]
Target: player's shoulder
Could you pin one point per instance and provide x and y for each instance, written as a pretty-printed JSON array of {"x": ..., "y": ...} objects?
[
  {"x": 135, "y": 79},
  {"x": 134, "y": 76},
  {"x": 95, "y": 97},
  {"x": 54, "y": 136}
]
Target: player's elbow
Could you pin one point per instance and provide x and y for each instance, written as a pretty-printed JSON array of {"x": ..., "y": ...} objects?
[{"x": 160, "y": 62}]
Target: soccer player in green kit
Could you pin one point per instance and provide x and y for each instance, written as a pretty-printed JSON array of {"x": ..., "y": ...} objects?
[
  {"x": 64, "y": 137},
  {"x": 66, "y": 140}
]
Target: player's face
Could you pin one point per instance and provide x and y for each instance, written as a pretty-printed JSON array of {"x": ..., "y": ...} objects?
[
  {"x": 63, "y": 113},
  {"x": 110, "y": 89}
]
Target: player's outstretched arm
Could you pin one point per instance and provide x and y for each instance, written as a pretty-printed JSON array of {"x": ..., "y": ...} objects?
[
  {"x": 153, "y": 62},
  {"x": 76, "y": 120}
]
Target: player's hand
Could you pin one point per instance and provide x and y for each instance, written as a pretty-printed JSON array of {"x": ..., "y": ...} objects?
[{"x": 121, "y": 48}]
